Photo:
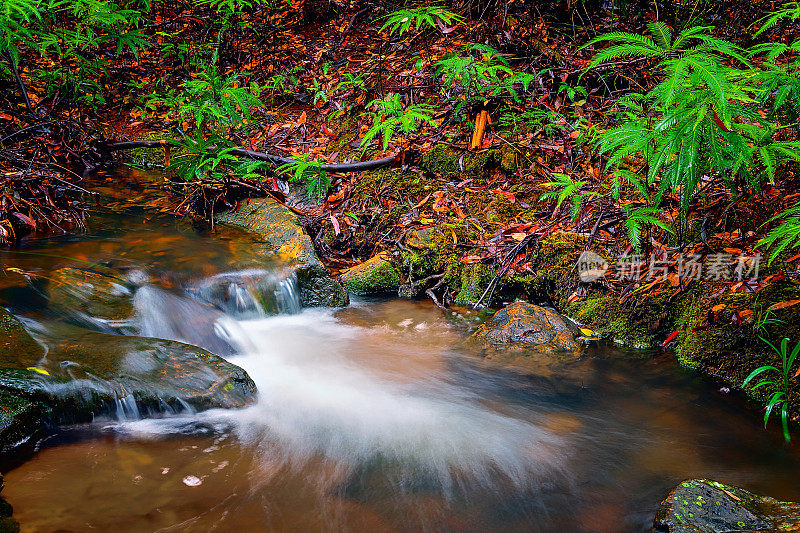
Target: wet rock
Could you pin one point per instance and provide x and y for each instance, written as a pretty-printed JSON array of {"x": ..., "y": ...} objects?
[
  {"x": 530, "y": 327},
  {"x": 91, "y": 294},
  {"x": 374, "y": 276},
  {"x": 281, "y": 231},
  {"x": 85, "y": 373},
  {"x": 21, "y": 422},
  {"x": 704, "y": 506},
  {"x": 7, "y": 523},
  {"x": 535, "y": 341}
]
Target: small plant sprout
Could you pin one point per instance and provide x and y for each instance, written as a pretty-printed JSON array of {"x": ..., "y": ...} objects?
[{"x": 780, "y": 383}]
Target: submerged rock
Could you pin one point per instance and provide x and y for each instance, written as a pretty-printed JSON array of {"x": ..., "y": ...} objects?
[
  {"x": 703, "y": 506},
  {"x": 530, "y": 327},
  {"x": 91, "y": 298},
  {"x": 85, "y": 373},
  {"x": 281, "y": 230},
  {"x": 376, "y": 275}
]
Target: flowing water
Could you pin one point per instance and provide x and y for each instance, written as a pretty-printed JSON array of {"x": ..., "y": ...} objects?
[{"x": 369, "y": 418}]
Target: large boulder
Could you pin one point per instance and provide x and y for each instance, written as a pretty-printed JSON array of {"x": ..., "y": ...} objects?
[
  {"x": 280, "y": 229},
  {"x": 85, "y": 373},
  {"x": 526, "y": 326},
  {"x": 703, "y": 506},
  {"x": 374, "y": 276}
]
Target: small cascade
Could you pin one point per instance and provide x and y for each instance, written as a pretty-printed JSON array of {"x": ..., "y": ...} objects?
[
  {"x": 287, "y": 295},
  {"x": 253, "y": 293},
  {"x": 188, "y": 409},
  {"x": 127, "y": 409},
  {"x": 164, "y": 315}
]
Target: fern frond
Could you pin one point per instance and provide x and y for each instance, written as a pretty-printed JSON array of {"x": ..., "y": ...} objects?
[{"x": 662, "y": 34}]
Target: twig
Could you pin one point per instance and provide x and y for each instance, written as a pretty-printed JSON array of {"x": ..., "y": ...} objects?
[{"x": 22, "y": 87}]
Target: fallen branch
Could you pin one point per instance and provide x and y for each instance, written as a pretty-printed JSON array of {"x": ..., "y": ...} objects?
[{"x": 357, "y": 166}]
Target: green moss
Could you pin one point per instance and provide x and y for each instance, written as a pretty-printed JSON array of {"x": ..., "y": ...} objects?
[
  {"x": 347, "y": 134},
  {"x": 447, "y": 163},
  {"x": 374, "y": 276},
  {"x": 508, "y": 158},
  {"x": 153, "y": 157},
  {"x": 633, "y": 325},
  {"x": 394, "y": 184},
  {"x": 474, "y": 279}
]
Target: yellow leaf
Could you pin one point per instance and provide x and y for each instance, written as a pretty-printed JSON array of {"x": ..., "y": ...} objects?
[
  {"x": 587, "y": 332},
  {"x": 39, "y": 370}
]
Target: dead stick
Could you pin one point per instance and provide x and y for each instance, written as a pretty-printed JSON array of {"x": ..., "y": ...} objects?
[
  {"x": 357, "y": 166},
  {"x": 22, "y": 87}
]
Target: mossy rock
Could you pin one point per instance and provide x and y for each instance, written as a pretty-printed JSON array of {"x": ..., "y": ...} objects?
[
  {"x": 639, "y": 324},
  {"x": 474, "y": 280},
  {"x": 280, "y": 230},
  {"x": 704, "y": 506},
  {"x": 531, "y": 339},
  {"x": 375, "y": 276},
  {"x": 527, "y": 326},
  {"x": 712, "y": 342},
  {"x": 508, "y": 158}
]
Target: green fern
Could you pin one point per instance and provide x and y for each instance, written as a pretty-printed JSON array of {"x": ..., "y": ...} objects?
[
  {"x": 565, "y": 187},
  {"x": 700, "y": 120},
  {"x": 689, "y": 43},
  {"x": 785, "y": 236},
  {"x": 389, "y": 118},
  {"x": 402, "y": 20},
  {"x": 302, "y": 170},
  {"x": 790, "y": 11},
  {"x": 638, "y": 219}
]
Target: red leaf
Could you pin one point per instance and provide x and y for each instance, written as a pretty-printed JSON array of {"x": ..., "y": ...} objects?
[
  {"x": 510, "y": 196},
  {"x": 670, "y": 338}
]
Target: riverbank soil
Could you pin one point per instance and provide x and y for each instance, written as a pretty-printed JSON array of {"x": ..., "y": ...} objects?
[{"x": 649, "y": 192}]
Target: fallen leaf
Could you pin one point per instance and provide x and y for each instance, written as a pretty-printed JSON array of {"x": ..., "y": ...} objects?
[
  {"x": 670, "y": 338},
  {"x": 783, "y": 305}
]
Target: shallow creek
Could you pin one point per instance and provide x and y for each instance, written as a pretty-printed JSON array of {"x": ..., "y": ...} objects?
[{"x": 373, "y": 418}]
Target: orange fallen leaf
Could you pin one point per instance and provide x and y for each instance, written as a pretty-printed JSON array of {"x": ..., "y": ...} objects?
[{"x": 783, "y": 305}]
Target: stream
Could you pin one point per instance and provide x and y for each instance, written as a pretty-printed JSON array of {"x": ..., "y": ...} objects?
[{"x": 373, "y": 417}]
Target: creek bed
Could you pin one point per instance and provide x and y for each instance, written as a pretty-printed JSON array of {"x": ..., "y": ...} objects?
[{"x": 371, "y": 418}]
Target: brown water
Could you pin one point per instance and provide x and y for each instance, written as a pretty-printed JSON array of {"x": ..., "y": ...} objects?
[{"x": 373, "y": 418}]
